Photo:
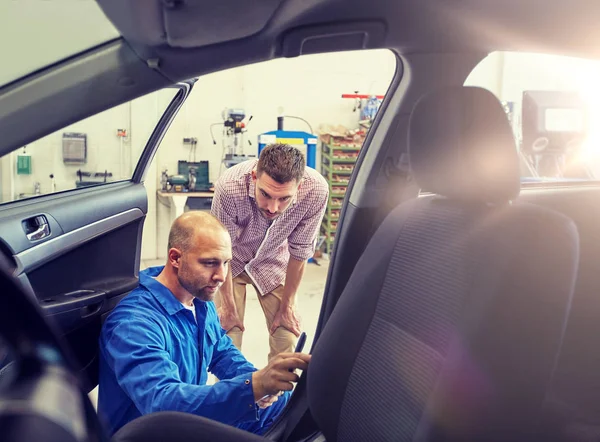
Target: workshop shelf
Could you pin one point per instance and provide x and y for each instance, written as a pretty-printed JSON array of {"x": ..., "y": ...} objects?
[{"x": 337, "y": 165}]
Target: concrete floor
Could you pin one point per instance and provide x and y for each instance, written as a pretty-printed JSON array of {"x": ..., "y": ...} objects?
[{"x": 256, "y": 341}]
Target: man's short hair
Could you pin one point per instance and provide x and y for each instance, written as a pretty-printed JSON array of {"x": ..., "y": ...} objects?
[
  {"x": 281, "y": 162},
  {"x": 180, "y": 237}
]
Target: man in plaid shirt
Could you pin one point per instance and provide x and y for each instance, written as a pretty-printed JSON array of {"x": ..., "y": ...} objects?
[{"x": 272, "y": 208}]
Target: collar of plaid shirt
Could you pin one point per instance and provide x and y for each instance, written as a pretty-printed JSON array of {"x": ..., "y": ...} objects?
[{"x": 262, "y": 248}]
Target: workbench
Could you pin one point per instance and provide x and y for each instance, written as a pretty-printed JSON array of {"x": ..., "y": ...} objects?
[{"x": 177, "y": 201}]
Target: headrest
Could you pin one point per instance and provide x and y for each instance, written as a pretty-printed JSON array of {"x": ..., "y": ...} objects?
[{"x": 462, "y": 147}]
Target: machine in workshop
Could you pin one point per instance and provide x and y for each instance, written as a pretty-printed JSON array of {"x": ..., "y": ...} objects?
[
  {"x": 191, "y": 177},
  {"x": 555, "y": 128},
  {"x": 302, "y": 140},
  {"x": 234, "y": 129}
]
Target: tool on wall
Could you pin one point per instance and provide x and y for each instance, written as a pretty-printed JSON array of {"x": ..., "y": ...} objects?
[
  {"x": 193, "y": 142},
  {"x": 97, "y": 178}
]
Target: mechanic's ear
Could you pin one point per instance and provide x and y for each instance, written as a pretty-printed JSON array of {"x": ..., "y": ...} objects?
[{"x": 174, "y": 257}]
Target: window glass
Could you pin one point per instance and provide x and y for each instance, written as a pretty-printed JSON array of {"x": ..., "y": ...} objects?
[
  {"x": 101, "y": 149},
  {"x": 553, "y": 103}
]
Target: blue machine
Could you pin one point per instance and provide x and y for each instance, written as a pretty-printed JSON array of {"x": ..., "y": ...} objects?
[{"x": 293, "y": 138}]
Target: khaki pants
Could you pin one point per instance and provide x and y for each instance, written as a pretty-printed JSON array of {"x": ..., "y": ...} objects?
[{"x": 282, "y": 340}]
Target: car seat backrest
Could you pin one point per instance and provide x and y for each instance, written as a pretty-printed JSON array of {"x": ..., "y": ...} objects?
[{"x": 451, "y": 323}]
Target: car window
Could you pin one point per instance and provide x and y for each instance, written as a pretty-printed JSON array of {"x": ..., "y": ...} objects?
[
  {"x": 552, "y": 103},
  {"x": 98, "y": 150}
]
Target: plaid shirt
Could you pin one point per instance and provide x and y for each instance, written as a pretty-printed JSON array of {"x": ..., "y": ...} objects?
[{"x": 262, "y": 248}]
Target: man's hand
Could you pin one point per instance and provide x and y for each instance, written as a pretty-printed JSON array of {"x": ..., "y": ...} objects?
[
  {"x": 286, "y": 317},
  {"x": 229, "y": 318},
  {"x": 278, "y": 375}
]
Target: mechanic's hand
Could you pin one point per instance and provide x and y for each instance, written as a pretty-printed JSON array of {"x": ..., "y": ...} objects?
[
  {"x": 269, "y": 400},
  {"x": 279, "y": 374},
  {"x": 229, "y": 318},
  {"x": 287, "y": 318}
]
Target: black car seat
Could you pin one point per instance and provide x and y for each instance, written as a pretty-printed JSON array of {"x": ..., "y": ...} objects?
[
  {"x": 452, "y": 321},
  {"x": 450, "y": 325}
]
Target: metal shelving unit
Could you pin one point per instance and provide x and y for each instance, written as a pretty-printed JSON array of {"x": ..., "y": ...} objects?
[{"x": 337, "y": 165}]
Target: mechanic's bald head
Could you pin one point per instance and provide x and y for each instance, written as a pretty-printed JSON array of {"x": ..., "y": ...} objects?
[
  {"x": 198, "y": 257},
  {"x": 190, "y": 229}
]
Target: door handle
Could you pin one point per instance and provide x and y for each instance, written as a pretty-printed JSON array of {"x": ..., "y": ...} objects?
[
  {"x": 41, "y": 232},
  {"x": 36, "y": 228}
]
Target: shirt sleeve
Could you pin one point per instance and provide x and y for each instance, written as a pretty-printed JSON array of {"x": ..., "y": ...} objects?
[
  {"x": 223, "y": 208},
  {"x": 134, "y": 349},
  {"x": 227, "y": 361},
  {"x": 302, "y": 241}
]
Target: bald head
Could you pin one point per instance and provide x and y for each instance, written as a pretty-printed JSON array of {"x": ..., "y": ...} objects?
[
  {"x": 198, "y": 257},
  {"x": 190, "y": 228}
]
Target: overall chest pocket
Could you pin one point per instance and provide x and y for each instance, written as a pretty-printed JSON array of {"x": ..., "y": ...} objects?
[{"x": 210, "y": 341}]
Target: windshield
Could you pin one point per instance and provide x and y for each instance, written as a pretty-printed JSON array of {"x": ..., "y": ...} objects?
[{"x": 43, "y": 32}]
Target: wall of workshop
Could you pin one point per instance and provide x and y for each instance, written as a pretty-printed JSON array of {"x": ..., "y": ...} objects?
[
  {"x": 309, "y": 87},
  {"x": 104, "y": 152}
]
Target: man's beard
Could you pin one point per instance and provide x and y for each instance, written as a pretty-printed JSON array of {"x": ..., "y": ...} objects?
[{"x": 203, "y": 294}]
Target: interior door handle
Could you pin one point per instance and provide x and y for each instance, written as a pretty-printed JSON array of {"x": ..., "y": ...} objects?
[{"x": 37, "y": 228}]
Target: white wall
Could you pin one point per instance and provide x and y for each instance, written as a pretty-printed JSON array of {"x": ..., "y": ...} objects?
[{"x": 103, "y": 148}]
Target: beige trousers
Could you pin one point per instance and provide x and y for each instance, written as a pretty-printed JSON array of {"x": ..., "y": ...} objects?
[{"x": 282, "y": 340}]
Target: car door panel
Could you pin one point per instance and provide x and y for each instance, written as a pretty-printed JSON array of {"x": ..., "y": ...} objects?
[{"x": 86, "y": 264}]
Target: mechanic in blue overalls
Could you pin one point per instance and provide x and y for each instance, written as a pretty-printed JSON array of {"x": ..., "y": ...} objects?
[{"x": 159, "y": 344}]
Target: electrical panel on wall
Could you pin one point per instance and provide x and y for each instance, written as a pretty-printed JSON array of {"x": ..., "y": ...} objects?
[{"x": 74, "y": 148}]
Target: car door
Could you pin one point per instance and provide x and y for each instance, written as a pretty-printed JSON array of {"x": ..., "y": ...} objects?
[{"x": 78, "y": 251}]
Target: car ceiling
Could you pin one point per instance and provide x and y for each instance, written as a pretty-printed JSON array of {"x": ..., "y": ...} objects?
[{"x": 170, "y": 26}]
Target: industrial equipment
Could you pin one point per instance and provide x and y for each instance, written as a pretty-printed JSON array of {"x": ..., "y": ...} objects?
[
  {"x": 304, "y": 141},
  {"x": 234, "y": 128},
  {"x": 191, "y": 177},
  {"x": 555, "y": 125}
]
